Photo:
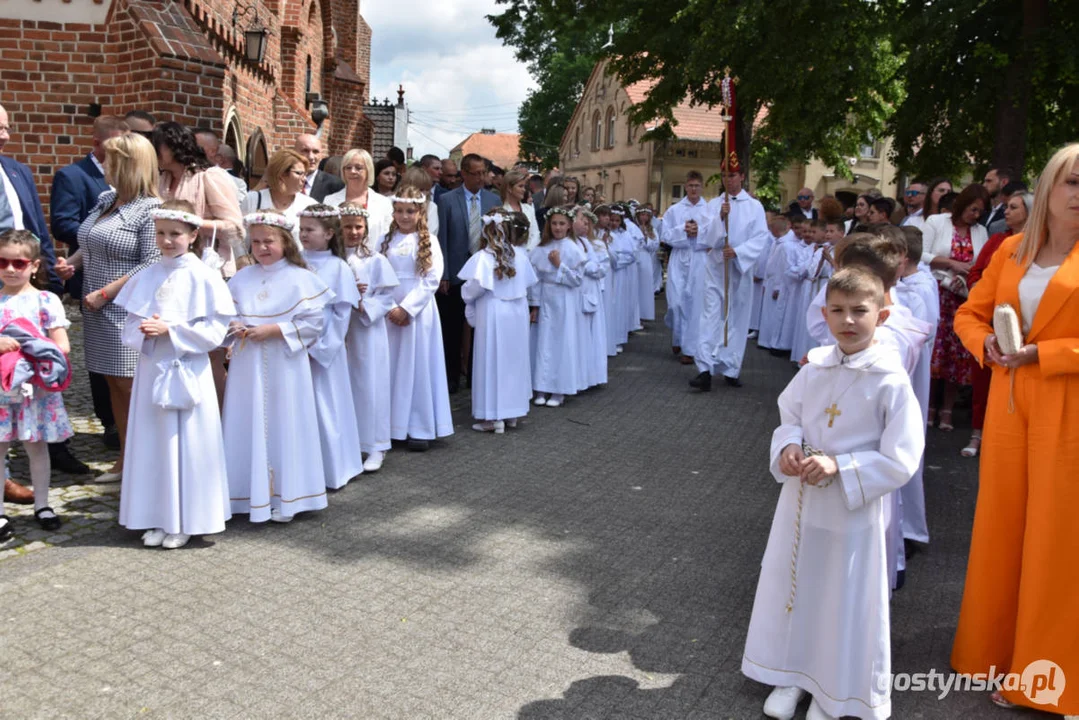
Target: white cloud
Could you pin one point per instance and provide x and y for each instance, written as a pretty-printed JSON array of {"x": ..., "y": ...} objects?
[{"x": 458, "y": 77}]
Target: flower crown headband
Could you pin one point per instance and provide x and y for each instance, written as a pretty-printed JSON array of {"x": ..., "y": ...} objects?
[
  {"x": 493, "y": 219},
  {"x": 415, "y": 201},
  {"x": 272, "y": 219},
  {"x": 617, "y": 211},
  {"x": 568, "y": 214},
  {"x": 582, "y": 210},
  {"x": 353, "y": 211},
  {"x": 321, "y": 214},
  {"x": 177, "y": 215}
]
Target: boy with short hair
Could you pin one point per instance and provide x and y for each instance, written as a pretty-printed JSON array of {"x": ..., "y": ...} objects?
[
  {"x": 814, "y": 272},
  {"x": 851, "y": 433},
  {"x": 775, "y": 331}
]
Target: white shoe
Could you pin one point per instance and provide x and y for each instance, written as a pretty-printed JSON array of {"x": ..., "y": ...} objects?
[
  {"x": 153, "y": 538},
  {"x": 782, "y": 702},
  {"x": 619, "y": 350},
  {"x": 815, "y": 712},
  {"x": 540, "y": 400},
  {"x": 373, "y": 463},
  {"x": 752, "y": 335},
  {"x": 276, "y": 516},
  {"x": 556, "y": 400},
  {"x": 108, "y": 478},
  {"x": 500, "y": 427},
  {"x": 487, "y": 426},
  {"x": 175, "y": 540}
]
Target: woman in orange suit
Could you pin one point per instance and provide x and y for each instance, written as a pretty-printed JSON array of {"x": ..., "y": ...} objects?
[{"x": 1021, "y": 600}]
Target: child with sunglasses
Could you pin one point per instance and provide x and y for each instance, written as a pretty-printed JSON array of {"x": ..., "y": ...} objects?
[{"x": 35, "y": 417}]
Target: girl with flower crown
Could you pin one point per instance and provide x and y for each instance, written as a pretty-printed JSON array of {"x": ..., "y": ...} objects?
[
  {"x": 558, "y": 261},
  {"x": 367, "y": 343},
  {"x": 324, "y": 252},
  {"x": 623, "y": 258},
  {"x": 495, "y": 291},
  {"x": 271, "y": 422},
  {"x": 420, "y": 407},
  {"x": 178, "y": 311},
  {"x": 612, "y": 343},
  {"x": 594, "y": 318}
]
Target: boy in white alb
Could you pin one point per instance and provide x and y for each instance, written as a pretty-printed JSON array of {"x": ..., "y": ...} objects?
[{"x": 851, "y": 433}]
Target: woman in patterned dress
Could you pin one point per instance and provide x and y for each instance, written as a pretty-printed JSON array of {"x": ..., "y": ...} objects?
[
  {"x": 116, "y": 240},
  {"x": 951, "y": 243}
]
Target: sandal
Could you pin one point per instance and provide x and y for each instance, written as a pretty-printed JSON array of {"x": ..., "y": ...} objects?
[
  {"x": 998, "y": 699},
  {"x": 5, "y": 527},
  {"x": 946, "y": 421},
  {"x": 47, "y": 518},
  {"x": 972, "y": 448}
]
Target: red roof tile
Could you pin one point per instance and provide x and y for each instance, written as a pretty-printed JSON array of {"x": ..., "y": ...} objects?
[
  {"x": 503, "y": 149},
  {"x": 693, "y": 123}
]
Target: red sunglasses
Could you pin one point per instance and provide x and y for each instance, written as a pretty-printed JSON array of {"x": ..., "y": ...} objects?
[{"x": 18, "y": 263}]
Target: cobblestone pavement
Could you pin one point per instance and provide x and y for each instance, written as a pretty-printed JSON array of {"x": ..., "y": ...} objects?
[{"x": 598, "y": 562}]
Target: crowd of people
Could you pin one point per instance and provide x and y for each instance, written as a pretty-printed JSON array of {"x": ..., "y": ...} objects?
[{"x": 250, "y": 349}]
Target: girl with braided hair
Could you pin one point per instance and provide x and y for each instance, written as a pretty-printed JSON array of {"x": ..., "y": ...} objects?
[
  {"x": 420, "y": 400},
  {"x": 495, "y": 291}
]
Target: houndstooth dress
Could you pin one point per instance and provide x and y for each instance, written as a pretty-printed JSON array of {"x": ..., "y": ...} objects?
[{"x": 120, "y": 244}]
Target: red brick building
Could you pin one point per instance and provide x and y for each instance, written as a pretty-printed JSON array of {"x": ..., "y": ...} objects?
[{"x": 64, "y": 61}]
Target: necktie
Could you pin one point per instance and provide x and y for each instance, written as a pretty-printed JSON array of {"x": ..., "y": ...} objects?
[
  {"x": 474, "y": 224},
  {"x": 7, "y": 217}
]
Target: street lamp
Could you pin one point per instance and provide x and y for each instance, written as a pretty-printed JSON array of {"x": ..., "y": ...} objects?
[{"x": 254, "y": 36}]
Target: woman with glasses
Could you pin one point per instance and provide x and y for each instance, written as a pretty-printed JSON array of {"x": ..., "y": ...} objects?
[
  {"x": 357, "y": 170},
  {"x": 285, "y": 176}
]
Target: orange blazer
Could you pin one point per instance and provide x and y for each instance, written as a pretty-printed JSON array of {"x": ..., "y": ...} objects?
[{"x": 1056, "y": 323}]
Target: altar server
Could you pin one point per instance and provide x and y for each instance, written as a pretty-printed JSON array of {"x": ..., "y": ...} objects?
[
  {"x": 760, "y": 268},
  {"x": 777, "y": 286},
  {"x": 495, "y": 291},
  {"x": 272, "y": 446},
  {"x": 178, "y": 310},
  {"x": 685, "y": 226},
  {"x": 728, "y": 289},
  {"x": 851, "y": 432},
  {"x": 556, "y": 302},
  {"x": 420, "y": 410},
  {"x": 324, "y": 252}
]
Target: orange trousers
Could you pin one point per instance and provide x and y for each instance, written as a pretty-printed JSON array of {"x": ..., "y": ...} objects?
[{"x": 1021, "y": 599}]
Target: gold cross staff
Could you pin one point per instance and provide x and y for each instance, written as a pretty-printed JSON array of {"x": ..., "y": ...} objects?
[{"x": 832, "y": 413}]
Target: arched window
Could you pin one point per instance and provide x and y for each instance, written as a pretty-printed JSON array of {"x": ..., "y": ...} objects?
[
  {"x": 610, "y": 127},
  {"x": 257, "y": 157},
  {"x": 597, "y": 131},
  {"x": 577, "y": 141},
  {"x": 631, "y": 132}
]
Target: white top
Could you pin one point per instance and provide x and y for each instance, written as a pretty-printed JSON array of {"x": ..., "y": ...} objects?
[
  {"x": 379, "y": 215},
  {"x": 261, "y": 200},
  {"x": 1031, "y": 289}
]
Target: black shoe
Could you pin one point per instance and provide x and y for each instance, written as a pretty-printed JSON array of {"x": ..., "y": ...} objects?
[
  {"x": 418, "y": 445},
  {"x": 50, "y": 522},
  {"x": 733, "y": 382},
  {"x": 65, "y": 462},
  {"x": 112, "y": 438},
  {"x": 702, "y": 382},
  {"x": 910, "y": 548},
  {"x": 900, "y": 579},
  {"x": 776, "y": 352}
]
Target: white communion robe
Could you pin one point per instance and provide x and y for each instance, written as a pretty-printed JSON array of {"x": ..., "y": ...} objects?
[
  {"x": 624, "y": 244},
  {"x": 747, "y": 236},
  {"x": 657, "y": 264},
  {"x": 272, "y": 446},
  {"x": 559, "y": 300},
  {"x": 420, "y": 407},
  {"x": 174, "y": 460},
  {"x": 776, "y": 293},
  {"x": 610, "y": 299},
  {"x": 591, "y": 299},
  {"x": 342, "y": 459},
  {"x": 834, "y": 641},
  {"x": 368, "y": 348},
  {"x": 760, "y": 268},
  {"x": 593, "y": 302},
  {"x": 794, "y": 311},
  {"x": 646, "y": 262},
  {"x": 498, "y": 310},
  {"x": 810, "y": 280},
  {"x": 685, "y": 271}
]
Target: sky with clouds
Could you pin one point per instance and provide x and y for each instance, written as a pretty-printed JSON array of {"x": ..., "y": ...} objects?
[{"x": 458, "y": 77}]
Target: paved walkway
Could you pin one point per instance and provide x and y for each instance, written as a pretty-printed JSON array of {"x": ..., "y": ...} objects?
[{"x": 599, "y": 562}]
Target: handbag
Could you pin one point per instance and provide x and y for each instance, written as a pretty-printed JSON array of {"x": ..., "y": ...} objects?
[
  {"x": 957, "y": 284},
  {"x": 175, "y": 387}
]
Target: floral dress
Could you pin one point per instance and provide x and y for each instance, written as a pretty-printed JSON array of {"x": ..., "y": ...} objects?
[
  {"x": 951, "y": 361},
  {"x": 39, "y": 415}
]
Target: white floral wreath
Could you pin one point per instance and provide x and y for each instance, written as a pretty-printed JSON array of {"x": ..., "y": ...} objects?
[
  {"x": 493, "y": 219},
  {"x": 415, "y": 201},
  {"x": 272, "y": 219},
  {"x": 177, "y": 215},
  {"x": 328, "y": 213},
  {"x": 352, "y": 211}
]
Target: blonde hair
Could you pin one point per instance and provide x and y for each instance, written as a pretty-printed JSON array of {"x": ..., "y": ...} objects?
[
  {"x": 364, "y": 157},
  {"x": 510, "y": 179},
  {"x": 418, "y": 178},
  {"x": 1036, "y": 232},
  {"x": 131, "y": 162},
  {"x": 289, "y": 245},
  {"x": 856, "y": 282},
  {"x": 362, "y": 249},
  {"x": 423, "y": 252},
  {"x": 198, "y": 243},
  {"x": 495, "y": 236},
  {"x": 280, "y": 163}
]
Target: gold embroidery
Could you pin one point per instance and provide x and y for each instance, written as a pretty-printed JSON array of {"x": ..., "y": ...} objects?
[
  {"x": 815, "y": 682},
  {"x": 283, "y": 312}
]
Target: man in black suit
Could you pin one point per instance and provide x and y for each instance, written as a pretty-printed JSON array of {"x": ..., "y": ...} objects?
[
  {"x": 460, "y": 222},
  {"x": 75, "y": 190},
  {"x": 993, "y": 182},
  {"x": 318, "y": 184},
  {"x": 803, "y": 205},
  {"x": 432, "y": 165}
]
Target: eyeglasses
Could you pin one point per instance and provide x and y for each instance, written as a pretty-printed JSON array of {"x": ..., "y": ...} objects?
[
  {"x": 914, "y": 193},
  {"x": 805, "y": 197},
  {"x": 19, "y": 264}
]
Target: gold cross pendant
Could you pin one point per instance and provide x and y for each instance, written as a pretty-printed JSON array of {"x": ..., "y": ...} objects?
[{"x": 832, "y": 413}]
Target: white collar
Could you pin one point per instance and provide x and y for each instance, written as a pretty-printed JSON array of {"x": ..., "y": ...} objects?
[{"x": 97, "y": 164}]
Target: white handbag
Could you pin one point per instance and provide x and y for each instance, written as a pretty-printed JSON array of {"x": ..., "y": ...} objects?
[{"x": 175, "y": 387}]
